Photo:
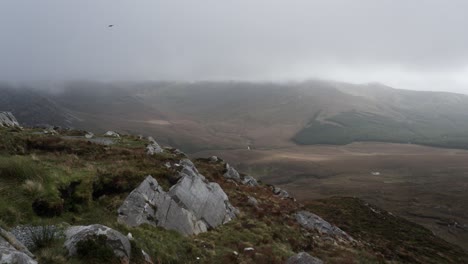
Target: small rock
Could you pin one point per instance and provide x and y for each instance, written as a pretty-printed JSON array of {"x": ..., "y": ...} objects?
[
  {"x": 112, "y": 134},
  {"x": 252, "y": 201},
  {"x": 312, "y": 221},
  {"x": 280, "y": 192},
  {"x": 147, "y": 257},
  {"x": 249, "y": 249},
  {"x": 303, "y": 258},
  {"x": 168, "y": 165},
  {"x": 231, "y": 173},
  {"x": 214, "y": 159},
  {"x": 89, "y": 135},
  {"x": 250, "y": 181},
  {"x": 153, "y": 147}
]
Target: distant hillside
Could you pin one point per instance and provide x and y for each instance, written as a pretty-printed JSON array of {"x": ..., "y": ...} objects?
[{"x": 236, "y": 115}]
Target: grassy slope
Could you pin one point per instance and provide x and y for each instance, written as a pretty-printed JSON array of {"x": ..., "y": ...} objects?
[
  {"x": 348, "y": 127},
  {"x": 85, "y": 183}
]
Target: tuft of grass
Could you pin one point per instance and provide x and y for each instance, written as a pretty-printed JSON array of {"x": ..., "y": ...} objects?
[{"x": 20, "y": 169}]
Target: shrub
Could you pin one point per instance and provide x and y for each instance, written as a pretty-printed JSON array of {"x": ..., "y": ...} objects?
[
  {"x": 95, "y": 250},
  {"x": 48, "y": 207}
]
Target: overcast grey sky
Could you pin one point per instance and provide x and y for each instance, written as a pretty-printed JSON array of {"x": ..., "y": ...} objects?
[{"x": 413, "y": 44}]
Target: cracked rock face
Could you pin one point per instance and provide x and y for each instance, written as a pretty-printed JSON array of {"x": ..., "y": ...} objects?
[
  {"x": 312, "y": 221},
  {"x": 191, "y": 206},
  {"x": 114, "y": 239},
  {"x": 8, "y": 120},
  {"x": 303, "y": 258},
  {"x": 12, "y": 251}
]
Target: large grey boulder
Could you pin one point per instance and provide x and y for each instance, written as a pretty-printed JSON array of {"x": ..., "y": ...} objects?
[
  {"x": 153, "y": 147},
  {"x": 12, "y": 251},
  {"x": 191, "y": 206},
  {"x": 312, "y": 221},
  {"x": 303, "y": 258},
  {"x": 8, "y": 120},
  {"x": 114, "y": 239}
]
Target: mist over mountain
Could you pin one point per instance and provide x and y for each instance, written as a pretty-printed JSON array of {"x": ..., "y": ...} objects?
[{"x": 225, "y": 115}]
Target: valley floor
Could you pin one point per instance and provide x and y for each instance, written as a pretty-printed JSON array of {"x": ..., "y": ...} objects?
[{"x": 426, "y": 185}]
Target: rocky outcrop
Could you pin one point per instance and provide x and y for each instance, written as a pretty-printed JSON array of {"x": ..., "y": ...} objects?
[
  {"x": 312, "y": 221},
  {"x": 113, "y": 239},
  {"x": 8, "y": 120},
  {"x": 153, "y": 147},
  {"x": 111, "y": 134},
  {"x": 12, "y": 251},
  {"x": 303, "y": 258},
  {"x": 191, "y": 206}
]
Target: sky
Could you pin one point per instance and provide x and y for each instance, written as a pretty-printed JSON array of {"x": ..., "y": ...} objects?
[{"x": 410, "y": 44}]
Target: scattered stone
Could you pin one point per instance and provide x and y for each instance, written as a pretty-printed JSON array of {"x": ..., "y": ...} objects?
[
  {"x": 147, "y": 257},
  {"x": 249, "y": 249},
  {"x": 179, "y": 152},
  {"x": 214, "y": 159},
  {"x": 112, "y": 134},
  {"x": 303, "y": 258},
  {"x": 153, "y": 147},
  {"x": 231, "y": 173},
  {"x": 250, "y": 181},
  {"x": 130, "y": 236},
  {"x": 89, "y": 135},
  {"x": 280, "y": 192},
  {"x": 168, "y": 165},
  {"x": 12, "y": 251},
  {"x": 114, "y": 239},
  {"x": 252, "y": 201},
  {"x": 191, "y": 206},
  {"x": 7, "y": 119},
  {"x": 312, "y": 221}
]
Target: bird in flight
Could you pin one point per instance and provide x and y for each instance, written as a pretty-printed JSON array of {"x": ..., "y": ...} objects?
[{"x": 110, "y": 25}]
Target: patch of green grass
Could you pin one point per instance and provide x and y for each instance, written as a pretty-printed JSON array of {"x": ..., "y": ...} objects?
[
  {"x": 349, "y": 127},
  {"x": 166, "y": 246}
]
